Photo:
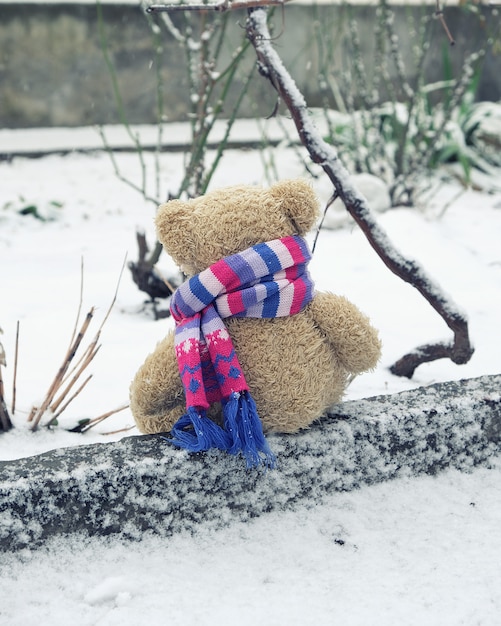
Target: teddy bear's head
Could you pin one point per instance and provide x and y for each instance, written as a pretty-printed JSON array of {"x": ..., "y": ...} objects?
[{"x": 198, "y": 232}]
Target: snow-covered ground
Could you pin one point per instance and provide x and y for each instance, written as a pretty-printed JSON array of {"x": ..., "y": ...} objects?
[{"x": 422, "y": 550}]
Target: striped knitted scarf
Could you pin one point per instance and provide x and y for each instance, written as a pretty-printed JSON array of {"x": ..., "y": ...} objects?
[{"x": 267, "y": 280}]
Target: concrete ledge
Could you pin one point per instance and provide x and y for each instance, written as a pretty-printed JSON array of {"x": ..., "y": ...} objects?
[
  {"x": 39, "y": 142},
  {"x": 142, "y": 484}
]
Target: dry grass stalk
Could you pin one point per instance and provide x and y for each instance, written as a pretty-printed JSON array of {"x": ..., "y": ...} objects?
[
  {"x": 84, "y": 362},
  {"x": 14, "y": 381},
  {"x": 64, "y": 373},
  {"x": 56, "y": 383},
  {"x": 34, "y": 409},
  {"x": 55, "y": 406},
  {"x": 120, "y": 430},
  {"x": 86, "y": 424},
  {"x": 5, "y": 422}
]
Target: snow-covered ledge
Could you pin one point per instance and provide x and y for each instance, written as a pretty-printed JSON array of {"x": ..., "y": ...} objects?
[{"x": 142, "y": 484}]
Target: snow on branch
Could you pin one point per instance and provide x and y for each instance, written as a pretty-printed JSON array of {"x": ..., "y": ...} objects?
[
  {"x": 270, "y": 66},
  {"x": 221, "y": 7}
]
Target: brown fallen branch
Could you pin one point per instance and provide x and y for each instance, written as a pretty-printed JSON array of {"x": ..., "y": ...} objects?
[
  {"x": 459, "y": 350},
  {"x": 146, "y": 277}
]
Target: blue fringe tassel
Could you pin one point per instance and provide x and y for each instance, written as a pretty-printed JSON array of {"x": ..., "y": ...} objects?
[
  {"x": 242, "y": 433},
  {"x": 244, "y": 426},
  {"x": 202, "y": 433}
]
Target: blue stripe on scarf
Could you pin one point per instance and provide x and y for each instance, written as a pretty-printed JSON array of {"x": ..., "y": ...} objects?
[
  {"x": 200, "y": 291},
  {"x": 270, "y": 304},
  {"x": 269, "y": 257}
]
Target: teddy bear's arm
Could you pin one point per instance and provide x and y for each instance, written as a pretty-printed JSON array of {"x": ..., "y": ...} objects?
[
  {"x": 156, "y": 394},
  {"x": 353, "y": 339}
]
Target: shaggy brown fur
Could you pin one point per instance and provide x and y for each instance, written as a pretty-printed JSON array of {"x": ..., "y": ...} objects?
[{"x": 297, "y": 366}]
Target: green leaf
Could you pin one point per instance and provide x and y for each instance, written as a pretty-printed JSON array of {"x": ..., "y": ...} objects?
[{"x": 31, "y": 209}]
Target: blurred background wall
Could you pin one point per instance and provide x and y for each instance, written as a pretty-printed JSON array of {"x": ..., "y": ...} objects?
[{"x": 53, "y": 72}]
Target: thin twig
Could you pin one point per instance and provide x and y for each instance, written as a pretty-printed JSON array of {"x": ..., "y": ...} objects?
[
  {"x": 85, "y": 360},
  {"x": 90, "y": 353},
  {"x": 65, "y": 406},
  {"x": 330, "y": 202},
  {"x": 32, "y": 413},
  {"x": 118, "y": 98},
  {"x": 224, "y": 5},
  {"x": 86, "y": 425},
  {"x": 56, "y": 383},
  {"x": 440, "y": 14},
  {"x": 5, "y": 422},
  {"x": 118, "y": 173},
  {"x": 14, "y": 380},
  {"x": 112, "y": 304},
  {"x": 80, "y": 300},
  {"x": 120, "y": 430}
]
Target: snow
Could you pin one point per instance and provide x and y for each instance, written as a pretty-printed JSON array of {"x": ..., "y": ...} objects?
[{"x": 413, "y": 550}]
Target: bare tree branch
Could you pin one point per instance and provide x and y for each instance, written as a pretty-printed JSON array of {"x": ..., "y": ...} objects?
[
  {"x": 221, "y": 7},
  {"x": 271, "y": 67},
  {"x": 440, "y": 15}
]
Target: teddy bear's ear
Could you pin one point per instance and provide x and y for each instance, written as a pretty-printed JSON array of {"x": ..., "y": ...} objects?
[
  {"x": 299, "y": 203},
  {"x": 171, "y": 216},
  {"x": 173, "y": 222}
]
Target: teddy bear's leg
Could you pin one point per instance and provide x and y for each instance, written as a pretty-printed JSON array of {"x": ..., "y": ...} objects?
[
  {"x": 157, "y": 398},
  {"x": 352, "y": 337}
]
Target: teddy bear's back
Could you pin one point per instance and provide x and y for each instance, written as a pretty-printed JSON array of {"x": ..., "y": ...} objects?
[{"x": 289, "y": 367}]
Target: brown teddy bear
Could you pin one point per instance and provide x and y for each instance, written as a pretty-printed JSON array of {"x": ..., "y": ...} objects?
[{"x": 252, "y": 337}]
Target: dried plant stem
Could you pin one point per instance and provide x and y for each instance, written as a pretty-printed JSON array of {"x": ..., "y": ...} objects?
[
  {"x": 32, "y": 413},
  {"x": 5, "y": 422},
  {"x": 87, "y": 357},
  {"x": 57, "y": 402},
  {"x": 86, "y": 425},
  {"x": 77, "y": 392},
  {"x": 14, "y": 380},
  {"x": 120, "y": 430},
  {"x": 82, "y": 362},
  {"x": 80, "y": 299},
  {"x": 56, "y": 383},
  {"x": 114, "y": 299},
  {"x": 271, "y": 66}
]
